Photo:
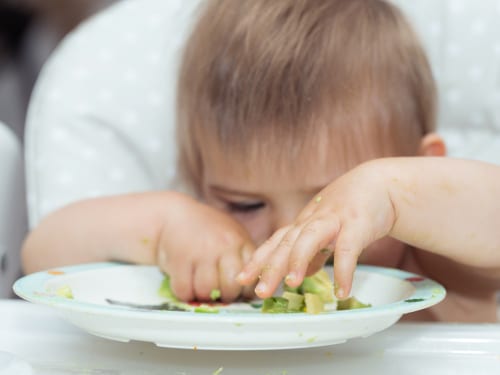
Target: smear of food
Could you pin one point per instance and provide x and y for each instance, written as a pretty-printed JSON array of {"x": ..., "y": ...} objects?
[
  {"x": 65, "y": 291},
  {"x": 172, "y": 303}
]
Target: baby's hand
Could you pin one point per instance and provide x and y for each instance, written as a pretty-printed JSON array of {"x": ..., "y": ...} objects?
[
  {"x": 203, "y": 249},
  {"x": 343, "y": 219}
]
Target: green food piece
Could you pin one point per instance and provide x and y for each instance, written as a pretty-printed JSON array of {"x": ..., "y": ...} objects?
[
  {"x": 65, "y": 291},
  {"x": 314, "y": 303},
  {"x": 166, "y": 291},
  {"x": 295, "y": 301},
  {"x": 206, "y": 309},
  {"x": 351, "y": 303},
  {"x": 275, "y": 305},
  {"x": 218, "y": 371},
  {"x": 256, "y": 305},
  {"x": 287, "y": 288},
  {"x": 214, "y": 294},
  {"x": 319, "y": 284},
  {"x": 414, "y": 300}
]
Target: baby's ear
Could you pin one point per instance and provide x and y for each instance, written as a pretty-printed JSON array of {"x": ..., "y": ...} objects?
[{"x": 432, "y": 145}]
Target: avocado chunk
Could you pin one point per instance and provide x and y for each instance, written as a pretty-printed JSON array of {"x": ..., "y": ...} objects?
[
  {"x": 351, "y": 303},
  {"x": 295, "y": 301},
  {"x": 319, "y": 284},
  {"x": 287, "y": 288},
  {"x": 314, "y": 304},
  {"x": 275, "y": 305}
]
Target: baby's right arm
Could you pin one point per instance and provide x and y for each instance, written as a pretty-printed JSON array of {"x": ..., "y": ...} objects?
[{"x": 201, "y": 248}]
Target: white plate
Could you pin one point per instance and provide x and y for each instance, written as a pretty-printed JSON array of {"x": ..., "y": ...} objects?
[{"x": 391, "y": 293}]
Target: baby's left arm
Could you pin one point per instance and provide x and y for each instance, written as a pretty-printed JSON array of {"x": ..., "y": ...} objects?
[{"x": 447, "y": 206}]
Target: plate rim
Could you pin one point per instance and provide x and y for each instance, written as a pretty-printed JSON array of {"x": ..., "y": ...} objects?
[{"x": 29, "y": 287}]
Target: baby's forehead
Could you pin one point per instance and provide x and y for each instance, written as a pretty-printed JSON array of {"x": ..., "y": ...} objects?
[{"x": 317, "y": 156}]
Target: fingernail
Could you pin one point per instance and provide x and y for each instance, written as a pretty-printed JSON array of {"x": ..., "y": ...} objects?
[
  {"x": 339, "y": 292},
  {"x": 291, "y": 277},
  {"x": 260, "y": 288}
]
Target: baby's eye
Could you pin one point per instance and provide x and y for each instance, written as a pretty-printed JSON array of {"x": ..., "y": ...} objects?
[{"x": 244, "y": 207}]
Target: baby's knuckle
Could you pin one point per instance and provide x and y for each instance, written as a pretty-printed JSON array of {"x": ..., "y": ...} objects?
[
  {"x": 314, "y": 228},
  {"x": 286, "y": 243}
]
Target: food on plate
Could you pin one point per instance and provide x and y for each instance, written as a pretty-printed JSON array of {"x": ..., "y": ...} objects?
[
  {"x": 65, "y": 292},
  {"x": 215, "y": 294},
  {"x": 351, "y": 303},
  {"x": 313, "y": 296}
]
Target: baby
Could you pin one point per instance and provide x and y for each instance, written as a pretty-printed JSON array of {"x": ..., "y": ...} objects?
[{"x": 277, "y": 102}]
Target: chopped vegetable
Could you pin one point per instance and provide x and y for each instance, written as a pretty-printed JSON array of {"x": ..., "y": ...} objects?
[
  {"x": 295, "y": 301},
  {"x": 287, "y": 288},
  {"x": 351, "y": 303},
  {"x": 256, "y": 305},
  {"x": 275, "y": 305},
  {"x": 320, "y": 285},
  {"x": 414, "y": 300},
  {"x": 215, "y": 294},
  {"x": 310, "y": 296},
  {"x": 314, "y": 304},
  {"x": 203, "y": 308},
  {"x": 313, "y": 296}
]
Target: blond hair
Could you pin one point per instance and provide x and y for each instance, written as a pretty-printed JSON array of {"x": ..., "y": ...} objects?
[{"x": 261, "y": 75}]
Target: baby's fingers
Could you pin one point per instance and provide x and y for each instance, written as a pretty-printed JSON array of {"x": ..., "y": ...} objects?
[
  {"x": 314, "y": 241},
  {"x": 206, "y": 279},
  {"x": 229, "y": 265},
  {"x": 276, "y": 266},
  {"x": 350, "y": 243},
  {"x": 181, "y": 281},
  {"x": 252, "y": 270}
]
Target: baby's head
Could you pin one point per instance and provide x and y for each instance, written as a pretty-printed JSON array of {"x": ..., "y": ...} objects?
[{"x": 278, "y": 98}]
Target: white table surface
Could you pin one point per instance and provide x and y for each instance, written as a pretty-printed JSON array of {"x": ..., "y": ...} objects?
[{"x": 37, "y": 335}]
